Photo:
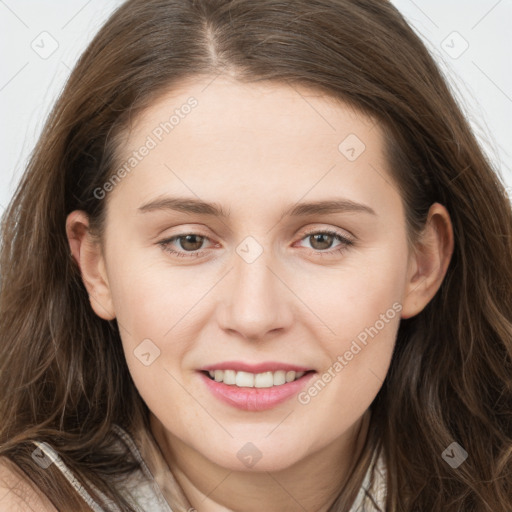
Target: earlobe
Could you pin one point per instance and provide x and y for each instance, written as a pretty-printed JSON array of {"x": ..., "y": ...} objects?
[
  {"x": 429, "y": 262},
  {"x": 87, "y": 253}
]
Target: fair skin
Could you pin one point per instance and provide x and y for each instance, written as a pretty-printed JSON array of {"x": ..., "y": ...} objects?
[{"x": 257, "y": 150}]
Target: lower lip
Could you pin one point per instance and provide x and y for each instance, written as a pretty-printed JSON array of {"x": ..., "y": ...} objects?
[{"x": 255, "y": 399}]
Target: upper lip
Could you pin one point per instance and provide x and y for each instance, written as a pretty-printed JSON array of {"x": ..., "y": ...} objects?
[{"x": 269, "y": 366}]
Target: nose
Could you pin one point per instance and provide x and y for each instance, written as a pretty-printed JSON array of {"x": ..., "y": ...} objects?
[{"x": 257, "y": 300}]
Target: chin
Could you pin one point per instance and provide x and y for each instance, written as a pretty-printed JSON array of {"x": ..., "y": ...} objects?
[{"x": 255, "y": 457}]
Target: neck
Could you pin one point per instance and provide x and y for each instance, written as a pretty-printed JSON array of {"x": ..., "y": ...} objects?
[{"x": 310, "y": 484}]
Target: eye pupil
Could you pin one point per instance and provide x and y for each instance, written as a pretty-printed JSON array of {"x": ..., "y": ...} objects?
[
  {"x": 325, "y": 244},
  {"x": 190, "y": 238}
]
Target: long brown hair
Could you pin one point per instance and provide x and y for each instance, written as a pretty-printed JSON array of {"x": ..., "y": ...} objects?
[{"x": 63, "y": 375}]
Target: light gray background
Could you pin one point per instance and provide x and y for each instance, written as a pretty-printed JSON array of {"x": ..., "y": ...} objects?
[{"x": 41, "y": 42}]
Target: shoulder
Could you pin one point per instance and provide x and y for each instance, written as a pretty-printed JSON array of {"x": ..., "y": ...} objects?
[{"x": 18, "y": 492}]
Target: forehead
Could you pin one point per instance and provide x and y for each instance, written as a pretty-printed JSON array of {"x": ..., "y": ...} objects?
[
  {"x": 266, "y": 140},
  {"x": 256, "y": 113}
]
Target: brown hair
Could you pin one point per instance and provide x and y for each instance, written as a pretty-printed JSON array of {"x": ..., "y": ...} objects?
[{"x": 63, "y": 375}]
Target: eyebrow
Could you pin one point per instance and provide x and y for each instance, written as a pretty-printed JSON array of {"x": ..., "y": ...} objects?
[{"x": 191, "y": 205}]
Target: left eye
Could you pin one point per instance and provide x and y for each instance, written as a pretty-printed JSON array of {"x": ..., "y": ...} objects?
[
  {"x": 191, "y": 243},
  {"x": 326, "y": 238}
]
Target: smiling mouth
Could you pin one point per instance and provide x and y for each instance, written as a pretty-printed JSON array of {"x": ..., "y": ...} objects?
[{"x": 255, "y": 380}]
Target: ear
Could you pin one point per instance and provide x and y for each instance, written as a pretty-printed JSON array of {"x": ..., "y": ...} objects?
[
  {"x": 88, "y": 254},
  {"x": 429, "y": 261}
]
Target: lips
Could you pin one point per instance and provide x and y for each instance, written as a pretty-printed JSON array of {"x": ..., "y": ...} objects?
[
  {"x": 254, "y": 387},
  {"x": 270, "y": 366}
]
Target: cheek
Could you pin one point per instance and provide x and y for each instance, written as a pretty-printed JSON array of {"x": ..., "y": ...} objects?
[
  {"x": 149, "y": 297},
  {"x": 357, "y": 363},
  {"x": 354, "y": 296},
  {"x": 155, "y": 312},
  {"x": 362, "y": 311},
  {"x": 152, "y": 316}
]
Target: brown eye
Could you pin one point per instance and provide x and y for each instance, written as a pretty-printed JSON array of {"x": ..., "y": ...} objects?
[
  {"x": 186, "y": 245},
  {"x": 191, "y": 242},
  {"x": 321, "y": 241}
]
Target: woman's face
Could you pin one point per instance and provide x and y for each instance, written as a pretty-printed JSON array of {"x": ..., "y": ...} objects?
[{"x": 307, "y": 268}]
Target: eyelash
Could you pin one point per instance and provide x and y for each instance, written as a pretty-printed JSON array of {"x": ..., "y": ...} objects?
[{"x": 345, "y": 244}]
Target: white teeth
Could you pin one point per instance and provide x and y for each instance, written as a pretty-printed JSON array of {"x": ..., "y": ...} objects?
[
  {"x": 264, "y": 380},
  {"x": 244, "y": 380},
  {"x": 229, "y": 377},
  {"x": 279, "y": 378},
  {"x": 290, "y": 376},
  {"x": 254, "y": 380}
]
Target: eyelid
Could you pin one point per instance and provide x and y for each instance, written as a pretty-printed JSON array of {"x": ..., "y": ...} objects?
[
  {"x": 346, "y": 241},
  {"x": 344, "y": 233}
]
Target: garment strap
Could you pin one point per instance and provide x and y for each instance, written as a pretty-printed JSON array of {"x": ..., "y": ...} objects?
[
  {"x": 149, "y": 479},
  {"x": 57, "y": 461}
]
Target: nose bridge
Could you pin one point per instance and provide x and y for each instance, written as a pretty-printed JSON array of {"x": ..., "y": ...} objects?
[
  {"x": 252, "y": 271},
  {"x": 256, "y": 301}
]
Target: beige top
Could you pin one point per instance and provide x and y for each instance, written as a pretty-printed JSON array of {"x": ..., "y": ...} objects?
[{"x": 153, "y": 487}]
